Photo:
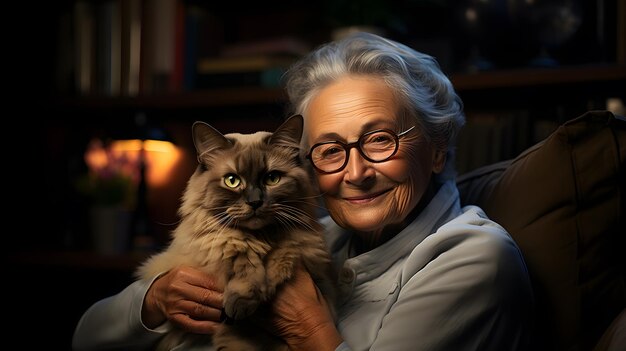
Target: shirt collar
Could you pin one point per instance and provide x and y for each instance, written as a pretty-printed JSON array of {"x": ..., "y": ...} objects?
[{"x": 443, "y": 207}]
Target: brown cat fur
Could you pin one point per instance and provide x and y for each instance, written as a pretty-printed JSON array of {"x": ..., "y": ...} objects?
[{"x": 248, "y": 219}]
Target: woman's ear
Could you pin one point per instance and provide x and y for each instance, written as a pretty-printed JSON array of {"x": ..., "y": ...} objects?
[{"x": 439, "y": 160}]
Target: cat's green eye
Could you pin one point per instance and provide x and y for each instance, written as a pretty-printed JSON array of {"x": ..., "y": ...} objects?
[
  {"x": 232, "y": 181},
  {"x": 272, "y": 178}
]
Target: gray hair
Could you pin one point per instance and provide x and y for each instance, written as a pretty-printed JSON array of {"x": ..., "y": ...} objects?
[{"x": 424, "y": 91}]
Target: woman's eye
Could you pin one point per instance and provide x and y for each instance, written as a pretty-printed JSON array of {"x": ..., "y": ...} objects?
[
  {"x": 331, "y": 151},
  {"x": 381, "y": 139},
  {"x": 232, "y": 181},
  {"x": 272, "y": 178}
]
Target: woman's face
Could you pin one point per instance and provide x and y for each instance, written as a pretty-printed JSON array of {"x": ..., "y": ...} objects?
[{"x": 366, "y": 196}]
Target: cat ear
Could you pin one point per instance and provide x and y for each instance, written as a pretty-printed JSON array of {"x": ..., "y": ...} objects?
[
  {"x": 207, "y": 139},
  {"x": 289, "y": 133}
]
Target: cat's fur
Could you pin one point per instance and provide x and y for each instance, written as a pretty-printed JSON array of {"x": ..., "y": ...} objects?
[{"x": 249, "y": 237}]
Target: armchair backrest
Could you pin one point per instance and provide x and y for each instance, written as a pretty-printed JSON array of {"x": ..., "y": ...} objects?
[{"x": 563, "y": 201}]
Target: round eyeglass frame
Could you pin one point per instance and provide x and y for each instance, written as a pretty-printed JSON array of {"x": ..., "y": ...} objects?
[{"x": 357, "y": 144}]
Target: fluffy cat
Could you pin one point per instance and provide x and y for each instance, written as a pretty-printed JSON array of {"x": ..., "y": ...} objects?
[{"x": 247, "y": 218}]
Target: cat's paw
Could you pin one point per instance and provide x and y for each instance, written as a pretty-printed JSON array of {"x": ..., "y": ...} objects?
[{"x": 239, "y": 307}]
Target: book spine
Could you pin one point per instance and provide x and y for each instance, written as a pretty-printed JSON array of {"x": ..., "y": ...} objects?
[
  {"x": 178, "y": 66},
  {"x": 192, "y": 29},
  {"x": 84, "y": 31},
  {"x": 159, "y": 39},
  {"x": 130, "y": 50},
  {"x": 268, "y": 78}
]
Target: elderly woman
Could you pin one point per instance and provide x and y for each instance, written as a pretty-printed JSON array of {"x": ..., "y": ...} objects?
[{"x": 417, "y": 271}]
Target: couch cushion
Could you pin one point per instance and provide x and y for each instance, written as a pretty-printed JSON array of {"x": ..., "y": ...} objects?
[{"x": 563, "y": 201}]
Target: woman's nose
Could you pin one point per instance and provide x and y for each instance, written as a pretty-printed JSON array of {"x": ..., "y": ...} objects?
[{"x": 358, "y": 170}]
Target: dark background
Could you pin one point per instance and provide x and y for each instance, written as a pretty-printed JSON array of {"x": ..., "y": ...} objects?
[{"x": 53, "y": 274}]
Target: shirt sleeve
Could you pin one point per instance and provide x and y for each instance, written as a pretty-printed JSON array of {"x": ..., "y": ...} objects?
[
  {"x": 343, "y": 347},
  {"x": 114, "y": 323},
  {"x": 463, "y": 288}
]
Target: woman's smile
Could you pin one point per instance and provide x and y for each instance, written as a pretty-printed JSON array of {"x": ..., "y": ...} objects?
[{"x": 366, "y": 198}]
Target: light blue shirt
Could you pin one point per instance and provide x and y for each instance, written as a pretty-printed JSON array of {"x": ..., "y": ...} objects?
[{"x": 451, "y": 280}]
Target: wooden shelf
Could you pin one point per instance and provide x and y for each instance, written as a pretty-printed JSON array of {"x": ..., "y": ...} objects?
[
  {"x": 470, "y": 82},
  {"x": 200, "y": 98},
  {"x": 529, "y": 77}
]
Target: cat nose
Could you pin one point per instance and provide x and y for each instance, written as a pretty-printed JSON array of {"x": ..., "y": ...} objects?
[
  {"x": 255, "y": 198},
  {"x": 255, "y": 204}
]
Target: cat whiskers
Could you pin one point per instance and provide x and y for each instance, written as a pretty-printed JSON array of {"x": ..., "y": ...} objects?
[
  {"x": 222, "y": 221},
  {"x": 216, "y": 223},
  {"x": 222, "y": 228},
  {"x": 293, "y": 216},
  {"x": 304, "y": 200}
]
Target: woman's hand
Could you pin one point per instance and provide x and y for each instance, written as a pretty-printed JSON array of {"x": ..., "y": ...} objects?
[
  {"x": 301, "y": 316},
  {"x": 187, "y": 298}
]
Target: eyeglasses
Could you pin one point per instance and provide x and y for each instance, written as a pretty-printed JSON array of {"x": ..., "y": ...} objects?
[{"x": 375, "y": 146}]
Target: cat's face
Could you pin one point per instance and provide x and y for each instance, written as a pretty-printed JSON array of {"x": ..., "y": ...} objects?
[{"x": 250, "y": 181}]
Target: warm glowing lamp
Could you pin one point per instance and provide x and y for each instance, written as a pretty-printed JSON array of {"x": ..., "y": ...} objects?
[
  {"x": 148, "y": 160},
  {"x": 160, "y": 157}
]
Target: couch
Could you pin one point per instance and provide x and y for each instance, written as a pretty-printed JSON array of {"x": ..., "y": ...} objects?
[{"x": 563, "y": 201}]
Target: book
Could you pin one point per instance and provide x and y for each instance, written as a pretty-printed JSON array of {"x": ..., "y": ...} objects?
[
  {"x": 256, "y": 63},
  {"x": 203, "y": 35},
  {"x": 246, "y": 71},
  {"x": 621, "y": 31},
  {"x": 265, "y": 78},
  {"x": 130, "y": 47},
  {"x": 65, "y": 66},
  {"x": 280, "y": 45},
  {"x": 85, "y": 48},
  {"x": 493, "y": 136},
  {"x": 157, "y": 46},
  {"x": 108, "y": 48},
  {"x": 177, "y": 73}
]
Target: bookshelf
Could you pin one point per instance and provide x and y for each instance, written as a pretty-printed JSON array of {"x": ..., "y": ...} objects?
[
  {"x": 607, "y": 78},
  {"x": 71, "y": 112},
  {"x": 214, "y": 98},
  {"x": 528, "y": 77}
]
